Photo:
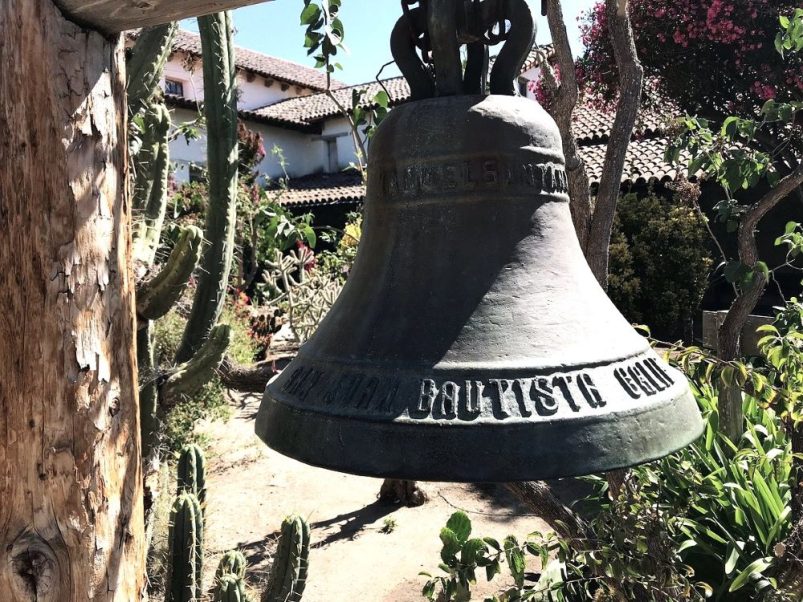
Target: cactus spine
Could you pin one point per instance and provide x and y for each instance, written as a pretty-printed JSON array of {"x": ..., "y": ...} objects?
[
  {"x": 147, "y": 61},
  {"x": 152, "y": 165},
  {"x": 230, "y": 588},
  {"x": 233, "y": 562},
  {"x": 192, "y": 473},
  {"x": 190, "y": 376},
  {"x": 220, "y": 107},
  {"x": 186, "y": 550},
  {"x": 156, "y": 296},
  {"x": 288, "y": 575}
]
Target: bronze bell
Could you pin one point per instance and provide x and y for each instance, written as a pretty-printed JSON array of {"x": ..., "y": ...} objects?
[{"x": 471, "y": 341}]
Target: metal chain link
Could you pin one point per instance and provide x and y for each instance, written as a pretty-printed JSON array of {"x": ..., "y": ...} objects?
[
  {"x": 421, "y": 38},
  {"x": 499, "y": 21}
]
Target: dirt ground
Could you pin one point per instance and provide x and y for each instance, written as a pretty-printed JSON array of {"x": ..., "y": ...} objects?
[{"x": 252, "y": 488}]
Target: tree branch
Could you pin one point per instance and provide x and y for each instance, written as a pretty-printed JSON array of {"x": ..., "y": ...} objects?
[
  {"x": 631, "y": 75},
  {"x": 562, "y": 110}
]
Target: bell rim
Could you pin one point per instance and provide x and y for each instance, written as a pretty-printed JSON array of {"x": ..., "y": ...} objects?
[{"x": 343, "y": 443}]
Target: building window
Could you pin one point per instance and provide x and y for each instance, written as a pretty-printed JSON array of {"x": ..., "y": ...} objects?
[
  {"x": 331, "y": 149},
  {"x": 523, "y": 81},
  {"x": 174, "y": 87}
]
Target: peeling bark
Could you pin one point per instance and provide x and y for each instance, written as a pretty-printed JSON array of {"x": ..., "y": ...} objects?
[
  {"x": 631, "y": 75},
  {"x": 70, "y": 476}
]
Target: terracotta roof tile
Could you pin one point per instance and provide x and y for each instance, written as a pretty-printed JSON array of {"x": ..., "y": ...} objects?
[
  {"x": 185, "y": 103},
  {"x": 324, "y": 189},
  {"x": 644, "y": 162},
  {"x": 309, "y": 109},
  {"x": 592, "y": 126},
  {"x": 538, "y": 56},
  {"x": 256, "y": 62}
]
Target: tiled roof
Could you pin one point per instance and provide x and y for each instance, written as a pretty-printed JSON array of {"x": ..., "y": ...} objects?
[
  {"x": 256, "y": 62},
  {"x": 644, "y": 162},
  {"x": 592, "y": 125},
  {"x": 538, "y": 56},
  {"x": 316, "y": 107},
  {"x": 185, "y": 103},
  {"x": 324, "y": 189}
]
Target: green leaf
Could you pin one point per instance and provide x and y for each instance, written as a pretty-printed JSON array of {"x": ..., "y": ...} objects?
[
  {"x": 732, "y": 558},
  {"x": 471, "y": 551},
  {"x": 757, "y": 567},
  {"x": 382, "y": 99},
  {"x": 310, "y": 14},
  {"x": 460, "y": 524},
  {"x": 451, "y": 545}
]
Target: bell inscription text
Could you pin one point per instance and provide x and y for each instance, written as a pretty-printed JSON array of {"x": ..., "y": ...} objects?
[
  {"x": 511, "y": 175},
  {"x": 578, "y": 393}
]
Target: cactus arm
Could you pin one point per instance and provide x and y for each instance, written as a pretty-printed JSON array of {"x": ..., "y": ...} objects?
[
  {"x": 156, "y": 296},
  {"x": 192, "y": 473},
  {"x": 186, "y": 550},
  {"x": 152, "y": 165},
  {"x": 192, "y": 375},
  {"x": 220, "y": 107},
  {"x": 148, "y": 58}
]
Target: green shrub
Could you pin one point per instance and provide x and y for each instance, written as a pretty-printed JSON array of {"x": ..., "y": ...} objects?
[
  {"x": 659, "y": 263},
  {"x": 709, "y": 521}
]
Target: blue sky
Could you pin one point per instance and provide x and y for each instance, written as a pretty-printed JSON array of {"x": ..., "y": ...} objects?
[{"x": 273, "y": 28}]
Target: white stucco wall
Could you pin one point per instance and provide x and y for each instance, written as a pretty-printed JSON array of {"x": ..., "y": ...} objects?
[
  {"x": 304, "y": 153},
  {"x": 258, "y": 92},
  {"x": 339, "y": 129}
]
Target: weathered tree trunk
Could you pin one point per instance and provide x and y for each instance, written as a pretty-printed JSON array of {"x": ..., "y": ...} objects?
[
  {"x": 631, "y": 75},
  {"x": 566, "y": 94},
  {"x": 731, "y": 419},
  {"x": 70, "y": 477}
]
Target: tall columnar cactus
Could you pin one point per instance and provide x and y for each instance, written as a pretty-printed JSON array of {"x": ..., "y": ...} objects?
[
  {"x": 155, "y": 297},
  {"x": 230, "y": 588},
  {"x": 220, "y": 107},
  {"x": 288, "y": 575},
  {"x": 192, "y": 472},
  {"x": 146, "y": 63},
  {"x": 152, "y": 166},
  {"x": 232, "y": 562},
  {"x": 186, "y": 550}
]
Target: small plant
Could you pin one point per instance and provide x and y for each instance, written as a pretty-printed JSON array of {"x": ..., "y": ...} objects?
[
  {"x": 186, "y": 550},
  {"x": 388, "y": 525},
  {"x": 288, "y": 575}
]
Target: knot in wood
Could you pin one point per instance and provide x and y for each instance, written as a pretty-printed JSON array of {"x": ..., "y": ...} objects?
[{"x": 34, "y": 569}]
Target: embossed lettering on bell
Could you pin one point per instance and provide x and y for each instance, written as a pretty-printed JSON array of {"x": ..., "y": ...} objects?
[{"x": 471, "y": 341}]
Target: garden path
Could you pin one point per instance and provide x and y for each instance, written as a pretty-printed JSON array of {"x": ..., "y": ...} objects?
[{"x": 252, "y": 488}]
